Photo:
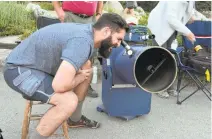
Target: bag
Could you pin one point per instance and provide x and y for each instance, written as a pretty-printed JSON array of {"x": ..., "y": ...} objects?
[
  {"x": 200, "y": 61},
  {"x": 135, "y": 34}
]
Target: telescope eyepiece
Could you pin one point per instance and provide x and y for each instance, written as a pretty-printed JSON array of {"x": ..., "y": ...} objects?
[{"x": 129, "y": 49}]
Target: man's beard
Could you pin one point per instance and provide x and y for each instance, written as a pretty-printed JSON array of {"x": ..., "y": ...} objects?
[{"x": 104, "y": 50}]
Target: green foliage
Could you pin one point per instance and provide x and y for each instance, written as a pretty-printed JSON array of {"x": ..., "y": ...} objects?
[
  {"x": 123, "y": 3},
  {"x": 179, "y": 39},
  {"x": 203, "y": 5},
  {"x": 15, "y": 20},
  {"x": 111, "y": 10},
  {"x": 46, "y": 5},
  {"x": 147, "y": 5},
  {"x": 200, "y": 5},
  {"x": 143, "y": 20}
]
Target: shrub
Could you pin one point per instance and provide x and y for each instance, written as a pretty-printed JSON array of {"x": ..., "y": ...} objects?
[
  {"x": 15, "y": 20},
  {"x": 45, "y": 5},
  {"x": 200, "y": 5},
  {"x": 143, "y": 20},
  {"x": 179, "y": 39}
]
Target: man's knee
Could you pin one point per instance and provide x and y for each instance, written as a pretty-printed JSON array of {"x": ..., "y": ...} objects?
[
  {"x": 87, "y": 65},
  {"x": 67, "y": 101}
]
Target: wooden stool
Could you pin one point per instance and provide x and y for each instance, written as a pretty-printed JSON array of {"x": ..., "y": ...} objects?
[{"x": 29, "y": 117}]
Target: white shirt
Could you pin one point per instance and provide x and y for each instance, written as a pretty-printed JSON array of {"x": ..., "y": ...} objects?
[{"x": 168, "y": 17}]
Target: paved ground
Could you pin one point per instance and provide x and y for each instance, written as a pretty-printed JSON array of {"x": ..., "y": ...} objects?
[
  {"x": 4, "y": 43},
  {"x": 167, "y": 120}
]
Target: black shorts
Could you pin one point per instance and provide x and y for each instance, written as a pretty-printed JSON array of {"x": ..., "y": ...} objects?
[{"x": 33, "y": 84}]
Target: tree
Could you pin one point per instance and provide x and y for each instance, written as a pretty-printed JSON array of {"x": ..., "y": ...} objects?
[{"x": 200, "y": 5}]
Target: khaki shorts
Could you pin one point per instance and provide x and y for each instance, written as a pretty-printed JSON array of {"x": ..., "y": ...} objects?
[{"x": 70, "y": 17}]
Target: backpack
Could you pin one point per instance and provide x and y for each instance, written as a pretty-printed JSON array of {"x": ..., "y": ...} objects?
[{"x": 201, "y": 60}]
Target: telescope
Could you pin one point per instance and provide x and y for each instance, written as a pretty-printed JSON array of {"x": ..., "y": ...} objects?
[{"x": 131, "y": 74}]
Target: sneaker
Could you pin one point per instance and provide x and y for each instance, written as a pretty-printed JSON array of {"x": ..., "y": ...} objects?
[
  {"x": 172, "y": 93},
  {"x": 92, "y": 93},
  {"x": 83, "y": 122},
  {"x": 163, "y": 94}
]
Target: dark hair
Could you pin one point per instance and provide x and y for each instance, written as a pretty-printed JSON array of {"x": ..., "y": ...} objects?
[{"x": 112, "y": 20}]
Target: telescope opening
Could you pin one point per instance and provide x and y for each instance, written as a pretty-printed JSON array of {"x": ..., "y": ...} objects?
[{"x": 155, "y": 70}]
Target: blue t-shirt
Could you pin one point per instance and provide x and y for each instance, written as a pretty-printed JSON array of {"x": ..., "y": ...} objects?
[{"x": 46, "y": 48}]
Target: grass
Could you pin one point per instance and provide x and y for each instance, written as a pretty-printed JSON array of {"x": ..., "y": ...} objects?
[
  {"x": 45, "y": 5},
  {"x": 15, "y": 20},
  {"x": 143, "y": 20}
]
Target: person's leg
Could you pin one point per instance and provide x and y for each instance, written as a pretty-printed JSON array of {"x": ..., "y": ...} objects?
[
  {"x": 131, "y": 11},
  {"x": 130, "y": 7},
  {"x": 172, "y": 89},
  {"x": 77, "y": 119},
  {"x": 163, "y": 94},
  {"x": 91, "y": 92},
  {"x": 70, "y": 17},
  {"x": 126, "y": 11},
  {"x": 64, "y": 104},
  {"x": 81, "y": 89}
]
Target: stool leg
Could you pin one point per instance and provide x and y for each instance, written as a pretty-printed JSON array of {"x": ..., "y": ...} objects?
[
  {"x": 26, "y": 121},
  {"x": 65, "y": 130}
]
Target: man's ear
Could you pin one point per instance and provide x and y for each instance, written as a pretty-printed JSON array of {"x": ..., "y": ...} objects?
[{"x": 106, "y": 32}]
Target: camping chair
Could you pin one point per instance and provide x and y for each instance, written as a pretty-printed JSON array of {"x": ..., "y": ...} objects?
[
  {"x": 202, "y": 32},
  {"x": 194, "y": 75}
]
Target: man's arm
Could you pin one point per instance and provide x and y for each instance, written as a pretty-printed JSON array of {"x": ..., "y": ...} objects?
[
  {"x": 59, "y": 10},
  {"x": 74, "y": 56},
  {"x": 99, "y": 9},
  {"x": 175, "y": 23},
  {"x": 173, "y": 9},
  {"x": 67, "y": 79}
]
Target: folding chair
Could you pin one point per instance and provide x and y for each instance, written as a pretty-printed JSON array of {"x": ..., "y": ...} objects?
[
  {"x": 202, "y": 32},
  {"x": 194, "y": 75}
]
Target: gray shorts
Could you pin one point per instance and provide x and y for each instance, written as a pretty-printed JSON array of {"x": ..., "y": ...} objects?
[
  {"x": 131, "y": 4},
  {"x": 33, "y": 84},
  {"x": 70, "y": 17}
]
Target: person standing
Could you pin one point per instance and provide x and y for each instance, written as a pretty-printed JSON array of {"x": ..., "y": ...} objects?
[
  {"x": 130, "y": 6},
  {"x": 80, "y": 12},
  {"x": 166, "y": 20}
]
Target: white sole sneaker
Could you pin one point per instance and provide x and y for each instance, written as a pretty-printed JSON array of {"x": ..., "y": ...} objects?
[{"x": 163, "y": 94}]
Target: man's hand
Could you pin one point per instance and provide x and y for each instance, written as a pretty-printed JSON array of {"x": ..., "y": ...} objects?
[
  {"x": 97, "y": 17},
  {"x": 84, "y": 74},
  {"x": 99, "y": 9},
  {"x": 61, "y": 14},
  {"x": 191, "y": 20},
  {"x": 191, "y": 37},
  {"x": 59, "y": 10}
]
